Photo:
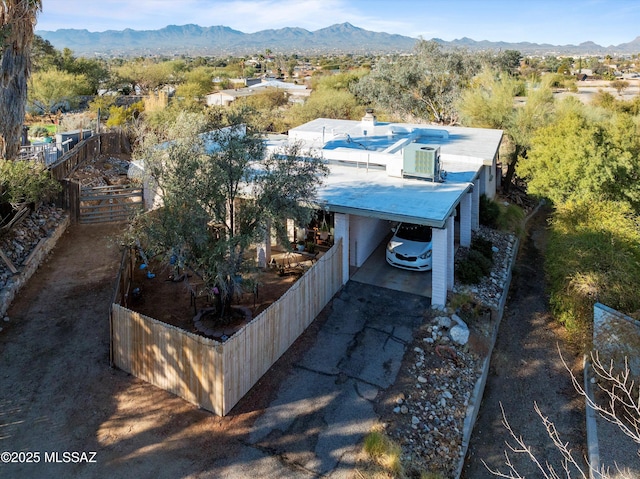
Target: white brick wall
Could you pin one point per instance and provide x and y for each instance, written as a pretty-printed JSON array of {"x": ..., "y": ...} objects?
[
  {"x": 341, "y": 230},
  {"x": 466, "y": 219},
  {"x": 440, "y": 266}
]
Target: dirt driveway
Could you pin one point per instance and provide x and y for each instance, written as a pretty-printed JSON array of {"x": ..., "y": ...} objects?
[
  {"x": 58, "y": 393},
  {"x": 525, "y": 367}
]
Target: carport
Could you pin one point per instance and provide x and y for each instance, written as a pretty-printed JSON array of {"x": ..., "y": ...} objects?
[
  {"x": 379, "y": 174},
  {"x": 365, "y": 201},
  {"x": 377, "y": 272}
]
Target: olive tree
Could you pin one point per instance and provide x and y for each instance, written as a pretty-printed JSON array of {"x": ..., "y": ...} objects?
[
  {"x": 220, "y": 191},
  {"x": 421, "y": 86}
]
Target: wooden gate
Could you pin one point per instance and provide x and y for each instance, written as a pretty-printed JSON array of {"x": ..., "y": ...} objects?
[{"x": 106, "y": 204}]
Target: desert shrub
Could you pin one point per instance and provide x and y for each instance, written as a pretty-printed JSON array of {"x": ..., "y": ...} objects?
[
  {"x": 39, "y": 131},
  {"x": 477, "y": 262},
  {"x": 468, "y": 272},
  {"x": 510, "y": 219},
  {"x": 483, "y": 246},
  {"x": 481, "y": 260},
  {"x": 593, "y": 254},
  {"x": 489, "y": 212},
  {"x": 25, "y": 182}
]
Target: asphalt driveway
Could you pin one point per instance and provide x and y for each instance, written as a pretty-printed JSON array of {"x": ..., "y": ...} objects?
[{"x": 325, "y": 407}]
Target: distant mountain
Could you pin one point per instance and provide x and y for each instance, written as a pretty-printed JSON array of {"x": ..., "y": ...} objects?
[{"x": 339, "y": 38}]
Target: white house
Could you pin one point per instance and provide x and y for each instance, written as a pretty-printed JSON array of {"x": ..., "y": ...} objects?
[
  {"x": 414, "y": 173},
  {"x": 226, "y": 97}
]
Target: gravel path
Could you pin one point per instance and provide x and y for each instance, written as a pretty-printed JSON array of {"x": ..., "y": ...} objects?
[{"x": 525, "y": 368}]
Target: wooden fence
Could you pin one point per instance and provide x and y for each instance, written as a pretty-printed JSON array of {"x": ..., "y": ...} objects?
[
  {"x": 104, "y": 204},
  {"x": 108, "y": 143},
  {"x": 104, "y": 143},
  {"x": 214, "y": 375}
]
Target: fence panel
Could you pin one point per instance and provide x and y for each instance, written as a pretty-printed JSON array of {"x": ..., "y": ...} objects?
[
  {"x": 250, "y": 352},
  {"x": 182, "y": 363},
  {"x": 216, "y": 375},
  {"x": 103, "y": 204}
]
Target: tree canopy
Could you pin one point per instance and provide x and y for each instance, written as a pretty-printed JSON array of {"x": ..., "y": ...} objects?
[
  {"x": 422, "y": 86},
  {"x": 52, "y": 90},
  {"x": 220, "y": 192},
  {"x": 578, "y": 158}
]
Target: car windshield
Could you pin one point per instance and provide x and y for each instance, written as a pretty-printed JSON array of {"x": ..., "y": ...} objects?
[{"x": 414, "y": 232}]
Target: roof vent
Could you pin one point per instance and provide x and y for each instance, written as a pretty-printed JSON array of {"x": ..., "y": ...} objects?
[{"x": 369, "y": 118}]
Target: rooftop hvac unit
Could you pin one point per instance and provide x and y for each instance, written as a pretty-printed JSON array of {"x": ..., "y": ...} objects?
[{"x": 422, "y": 161}]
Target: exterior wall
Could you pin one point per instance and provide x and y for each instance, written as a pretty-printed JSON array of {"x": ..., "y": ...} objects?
[
  {"x": 487, "y": 181},
  {"x": 450, "y": 228},
  {"x": 365, "y": 236},
  {"x": 218, "y": 99},
  {"x": 442, "y": 270},
  {"x": 341, "y": 232},
  {"x": 466, "y": 219},
  {"x": 475, "y": 206}
]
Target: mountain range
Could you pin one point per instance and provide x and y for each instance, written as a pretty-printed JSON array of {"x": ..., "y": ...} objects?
[{"x": 339, "y": 38}]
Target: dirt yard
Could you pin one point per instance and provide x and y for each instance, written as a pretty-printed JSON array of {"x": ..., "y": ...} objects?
[
  {"x": 176, "y": 298},
  {"x": 58, "y": 393}
]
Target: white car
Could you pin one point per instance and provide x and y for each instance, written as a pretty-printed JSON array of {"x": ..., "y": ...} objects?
[{"x": 410, "y": 247}]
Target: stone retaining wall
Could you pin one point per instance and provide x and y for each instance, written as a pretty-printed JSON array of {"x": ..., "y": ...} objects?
[{"x": 30, "y": 266}]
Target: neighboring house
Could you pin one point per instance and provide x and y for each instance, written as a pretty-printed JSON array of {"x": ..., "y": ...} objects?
[
  {"x": 414, "y": 173},
  {"x": 226, "y": 97}
]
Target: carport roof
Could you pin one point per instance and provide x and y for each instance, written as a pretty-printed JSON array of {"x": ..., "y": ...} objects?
[
  {"x": 372, "y": 193},
  {"x": 379, "y": 191}
]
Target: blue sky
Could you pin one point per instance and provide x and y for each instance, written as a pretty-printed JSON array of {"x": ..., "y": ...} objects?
[{"x": 559, "y": 22}]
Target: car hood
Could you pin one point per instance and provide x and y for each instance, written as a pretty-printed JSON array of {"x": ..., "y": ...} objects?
[{"x": 408, "y": 248}]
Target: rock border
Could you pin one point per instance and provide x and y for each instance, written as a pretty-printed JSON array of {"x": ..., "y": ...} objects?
[{"x": 31, "y": 265}]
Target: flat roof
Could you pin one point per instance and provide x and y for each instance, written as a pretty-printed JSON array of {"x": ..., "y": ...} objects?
[
  {"x": 480, "y": 144},
  {"x": 373, "y": 193},
  {"x": 361, "y": 154}
]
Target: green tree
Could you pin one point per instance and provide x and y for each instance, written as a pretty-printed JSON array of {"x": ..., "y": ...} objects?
[
  {"x": 508, "y": 61},
  {"x": 147, "y": 74},
  {"x": 44, "y": 55},
  {"x": 619, "y": 85},
  {"x": 325, "y": 104},
  {"x": 198, "y": 82},
  {"x": 93, "y": 71},
  {"x": 219, "y": 191},
  {"x": 489, "y": 103},
  {"x": 17, "y": 20},
  {"x": 577, "y": 158},
  {"x": 422, "y": 86},
  {"x": 53, "y": 90}
]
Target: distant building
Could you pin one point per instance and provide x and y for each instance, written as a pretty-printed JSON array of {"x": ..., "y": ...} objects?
[{"x": 226, "y": 97}]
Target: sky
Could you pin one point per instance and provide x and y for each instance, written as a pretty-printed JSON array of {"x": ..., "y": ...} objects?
[{"x": 558, "y": 22}]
